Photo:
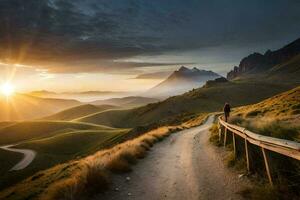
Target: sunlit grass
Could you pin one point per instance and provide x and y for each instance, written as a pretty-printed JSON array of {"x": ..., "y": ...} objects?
[{"x": 94, "y": 177}]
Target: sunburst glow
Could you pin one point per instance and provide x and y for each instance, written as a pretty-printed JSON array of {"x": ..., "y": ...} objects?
[{"x": 7, "y": 89}]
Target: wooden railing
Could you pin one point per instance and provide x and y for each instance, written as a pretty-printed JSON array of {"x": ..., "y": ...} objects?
[{"x": 284, "y": 147}]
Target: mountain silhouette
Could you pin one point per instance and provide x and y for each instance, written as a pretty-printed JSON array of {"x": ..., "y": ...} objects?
[{"x": 182, "y": 80}]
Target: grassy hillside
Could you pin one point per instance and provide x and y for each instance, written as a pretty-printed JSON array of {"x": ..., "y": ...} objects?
[
  {"x": 25, "y": 107},
  {"x": 72, "y": 143},
  {"x": 58, "y": 148},
  {"x": 20, "y": 131},
  {"x": 278, "y": 116},
  {"x": 8, "y": 159},
  {"x": 284, "y": 105},
  {"x": 78, "y": 111},
  {"x": 206, "y": 99},
  {"x": 117, "y": 159}
]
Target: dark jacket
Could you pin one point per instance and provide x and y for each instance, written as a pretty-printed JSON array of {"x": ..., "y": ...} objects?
[{"x": 226, "y": 108}]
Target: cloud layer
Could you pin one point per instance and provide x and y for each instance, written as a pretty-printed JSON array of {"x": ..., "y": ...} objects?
[{"x": 71, "y": 36}]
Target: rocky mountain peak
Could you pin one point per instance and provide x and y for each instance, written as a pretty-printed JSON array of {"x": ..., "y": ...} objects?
[
  {"x": 256, "y": 63},
  {"x": 183, "y": 69}
]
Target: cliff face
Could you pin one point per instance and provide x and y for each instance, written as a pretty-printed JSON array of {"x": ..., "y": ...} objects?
[{"x": 256, "y": 62}]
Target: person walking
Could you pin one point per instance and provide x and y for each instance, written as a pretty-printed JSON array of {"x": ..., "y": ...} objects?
[{"x": 226, "y": 110}]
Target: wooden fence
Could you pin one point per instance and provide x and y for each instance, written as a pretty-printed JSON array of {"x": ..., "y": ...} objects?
[{"x": 284, "y": 147}]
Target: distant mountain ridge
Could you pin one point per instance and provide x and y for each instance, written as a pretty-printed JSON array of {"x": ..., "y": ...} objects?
[
  {"x": 130, "y": 101},
  {"x": 256, "y": 62},
  {"x": 182, "y": 80}
]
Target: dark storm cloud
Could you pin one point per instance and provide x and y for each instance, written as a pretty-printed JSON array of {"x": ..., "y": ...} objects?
[{"x": 59, "y": 34}]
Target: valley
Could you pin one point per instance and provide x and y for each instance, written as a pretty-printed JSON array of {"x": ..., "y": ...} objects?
[{"x": 63, "y": 135}]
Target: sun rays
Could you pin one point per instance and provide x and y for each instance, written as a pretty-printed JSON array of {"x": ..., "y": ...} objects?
[{"x": 7, "y": 89}]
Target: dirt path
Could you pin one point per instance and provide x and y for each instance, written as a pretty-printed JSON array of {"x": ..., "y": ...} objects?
[
  {"x": 184, "y": 166},
  {"x": 29, "y": 156}
]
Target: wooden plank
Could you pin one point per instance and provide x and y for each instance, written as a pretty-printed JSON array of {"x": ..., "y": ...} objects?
[
  {"x": 247, "y": 155},
  {"x": 225, "y": 136},
  {"x": 267, "y": 166},
  {"x": 272, "y": 140},
  {"x": 280, "y": 142},
  {"x": 234, "y": 147},
  {"x": 237, "y": 132},
  {"x": 284, "y": 151},
  {"x": 278, "y": 149}
]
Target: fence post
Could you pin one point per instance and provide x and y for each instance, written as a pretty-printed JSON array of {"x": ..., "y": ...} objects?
[
  {"x": 267, "y": 166},
  {"x": 233, "y": 142},
  {"x": 220, "y": 132},
  {"x": 247, "y": 155},
  {"x": 225, "y": 136}
]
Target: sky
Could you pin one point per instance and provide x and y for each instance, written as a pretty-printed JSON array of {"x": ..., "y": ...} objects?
[{"x": 79, "y": 45}]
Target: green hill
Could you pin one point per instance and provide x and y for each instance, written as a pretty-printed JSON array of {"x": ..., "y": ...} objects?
[
  {"x": 58, "y": 148},
  {"x": 25, "y": 107},
  {"x": 78, "y": 111},
  {"x": 73, "y": 143},
  {"x": 209, "y": 98},
  {"x": 21, "y": 131}
]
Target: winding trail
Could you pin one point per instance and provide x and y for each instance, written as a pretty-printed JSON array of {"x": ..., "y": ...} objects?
[
  {"x": 29, "y": 156},
  {"x": 184, "y": 166}
]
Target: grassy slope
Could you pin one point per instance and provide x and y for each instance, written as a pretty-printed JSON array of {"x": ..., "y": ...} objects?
[
  {"x": 8, "y": 160},
  {"x": 206, "y": 99},
  {"x": 282, "y": 105},
  {"x": 78, "y": 111},
  {"x": 25, "y": 107},
  {"x": 278, "y": 116},
  {"x": 290, "y": 69},
  {"x": 72, "y": 143},
  {"x": 33, "y": 186},
  {"x": 27, "y": 130},
  {"x": 60, "y": 148}
]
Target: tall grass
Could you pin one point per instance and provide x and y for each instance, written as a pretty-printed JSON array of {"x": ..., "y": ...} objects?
[
  {"x": 78, "y": 179},
  {"x": 270, "y": 127},
  {"x": 95, "y": 175},
  {"x": 285, "y": 171}
]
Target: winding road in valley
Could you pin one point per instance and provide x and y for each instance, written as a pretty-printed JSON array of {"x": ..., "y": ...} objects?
[
  {"x": 183, "y": 166},
  {"x": 29, "y": 156}
]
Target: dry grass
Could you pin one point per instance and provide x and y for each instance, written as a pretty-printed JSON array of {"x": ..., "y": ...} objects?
[
  {"x": 277, "y": 117},
  {"x": 270, "y": 127},
  {"x": 78, "y": 186},
  {"x": 196, "y": 121},
  {"x": 95, "y": 175},
  {"x": 265, "y": 192},
  {"x": 214, "y": 135},
  {"x": 283, "y": 107},
  {"x": 83, "y": 178}
]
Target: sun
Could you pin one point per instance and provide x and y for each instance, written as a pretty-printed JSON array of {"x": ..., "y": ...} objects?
[{"x": 7, "y": 89}]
